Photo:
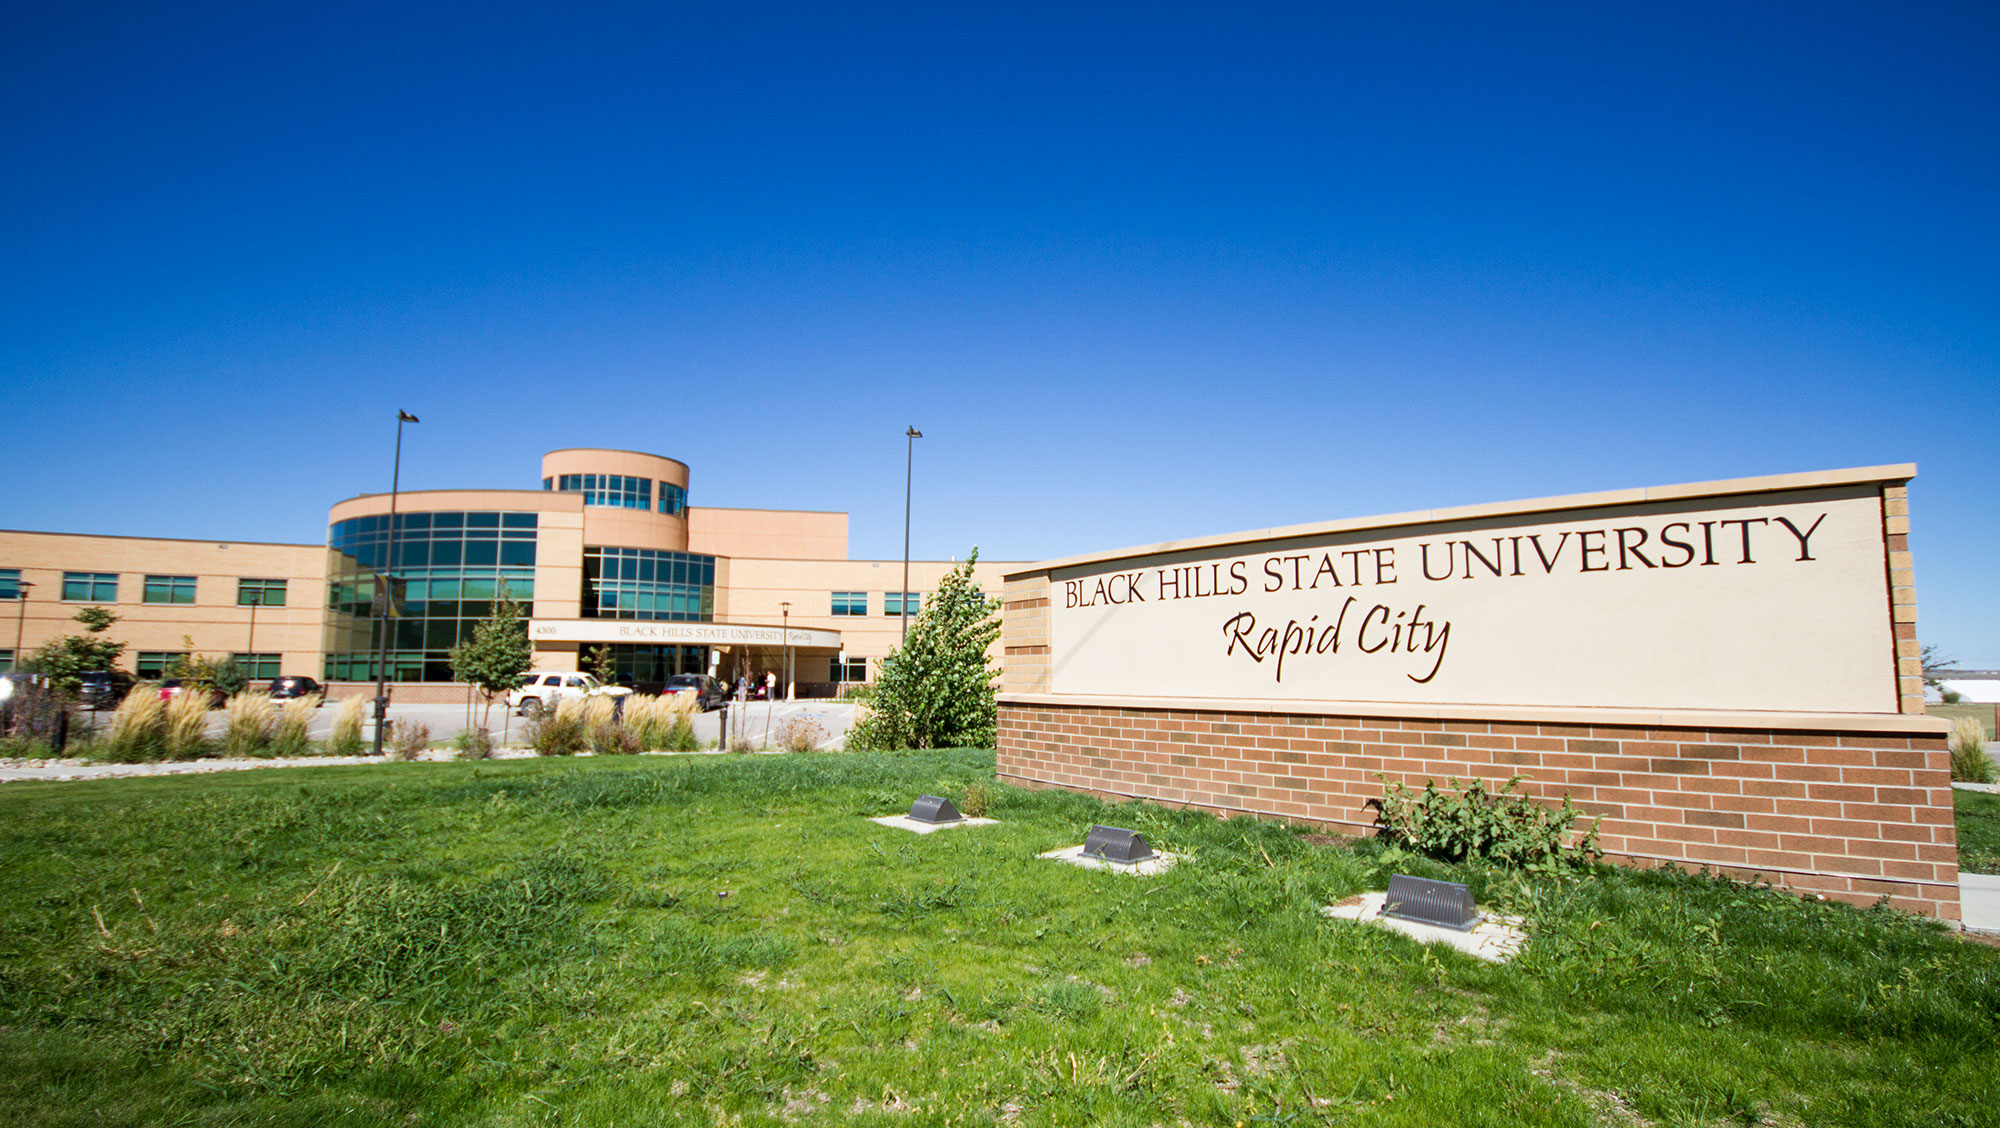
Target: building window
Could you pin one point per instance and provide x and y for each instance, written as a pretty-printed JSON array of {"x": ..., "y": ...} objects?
[
  {"x": 645, "y": 583},
  {"x": 6, "y": 660},
  {"x": 852, "y": 670},
  {"x": 257, "y": 667},
  {"x": 90, "y": 587},
  {"x": 169, "y": 589},
  {"x": 152, "y": 665},
  {"x": 673, "y": 499},
  {"x": 449, "y": 567},
  {"x": 10, "y": 583},
  {"x": 892, "y": 603},
  {"x": 850, "y": 603},
  {"x": 260, "y": 593},
  {"x": 621, "y": 490}
]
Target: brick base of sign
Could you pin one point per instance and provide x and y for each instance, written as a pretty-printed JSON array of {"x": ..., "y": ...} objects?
[{"x": 1855, "y": 816}]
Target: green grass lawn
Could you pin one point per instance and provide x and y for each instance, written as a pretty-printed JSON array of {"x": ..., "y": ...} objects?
[
  {"x": 727, "y": 940},
  {"x": 1978, "y": 830}
]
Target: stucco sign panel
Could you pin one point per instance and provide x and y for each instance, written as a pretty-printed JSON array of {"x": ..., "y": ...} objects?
[{"x": 1759, "y": 602}]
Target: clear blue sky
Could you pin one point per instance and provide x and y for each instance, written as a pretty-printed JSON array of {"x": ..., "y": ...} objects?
[{"x": 1138, "y": 272}]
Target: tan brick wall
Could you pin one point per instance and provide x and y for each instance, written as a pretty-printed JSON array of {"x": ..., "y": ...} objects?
[
  {"x": 1855, "y": 816},
  {"x": 1024, "y": 635},
  {"x": 1903, "y": 598}
]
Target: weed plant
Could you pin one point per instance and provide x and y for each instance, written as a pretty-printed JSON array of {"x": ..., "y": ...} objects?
[
  {"x": 251, "y": 722},
  {"x": 1472, "y": 821},
  {"x": 186, "y": 726},
  {"x": 561, "y": 731},
  {"x": 1969, "y": 762},
  {"x": 411, "y": 738},
  {"x": 800, "y": 733},
  {"x": 345, "y": 740},
  {"x": 727, "y": 940},
  {"x": 291, "y": 735}
]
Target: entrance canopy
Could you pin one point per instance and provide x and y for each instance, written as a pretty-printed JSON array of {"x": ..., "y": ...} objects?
[{"x": 699, "y": 634}]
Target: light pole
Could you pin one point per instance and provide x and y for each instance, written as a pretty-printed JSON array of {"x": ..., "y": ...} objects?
[
  {"x": 385, "y": 589},
  {"x": 909, "y": 465},
  {"x": 21, "y": 588},
  {"x": 250, "y": 648},
  {"x": 786, "y": 608}
]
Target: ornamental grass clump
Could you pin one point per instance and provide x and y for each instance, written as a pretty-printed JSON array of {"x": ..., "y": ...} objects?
[
  {"x": 1472, "y": 822},
  {"x": 138, "y": 732},
  {"x": 346, "y": 738},
  {"x": 252, "y": 721},
  {"x": 607, "y": 730},
  {"x": 560, "y": 731},
  {"x": 291, "y": 736},
  {"x": 187, "y": 725},
  {"x": 1969, "y": 762}
]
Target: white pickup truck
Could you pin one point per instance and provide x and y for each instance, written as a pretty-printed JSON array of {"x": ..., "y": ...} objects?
[{"x": 544, "y": 689}]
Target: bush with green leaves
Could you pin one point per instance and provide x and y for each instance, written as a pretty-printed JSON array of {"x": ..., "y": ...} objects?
[
  {"x": 938, "y": 690},
  {"x": 473, "y": 744},
  {"x": 63, "y": 659},
  {"x": 1472, "y": 821}
]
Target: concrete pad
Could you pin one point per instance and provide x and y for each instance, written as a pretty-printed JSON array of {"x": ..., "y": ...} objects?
[
  {"x": 1988, "y": 788},
  {"x": 905, "y": 822},
  {"x": 1979, "y": 901},
  {"x": 1160, "y": 862},
  {"x": 1495, "y": 939}
]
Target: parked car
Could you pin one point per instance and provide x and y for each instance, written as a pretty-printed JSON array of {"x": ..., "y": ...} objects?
[
  {"x": 706, "y": 689},
  {"x": 174, "y": 687},
  {"x": 545, "y": 689},
  {"x": 288, "y": 687},
  {"x": 103, "y": 689}
]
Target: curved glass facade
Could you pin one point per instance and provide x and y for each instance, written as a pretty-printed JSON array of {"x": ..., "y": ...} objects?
[
  {"x": 447, "y": 570},
  {"x": 645, "y": 583},
  {"x": 621, "y": 490}
]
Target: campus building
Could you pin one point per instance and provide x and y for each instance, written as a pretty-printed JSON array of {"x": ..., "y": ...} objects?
[{"x": 608, "y": 552}]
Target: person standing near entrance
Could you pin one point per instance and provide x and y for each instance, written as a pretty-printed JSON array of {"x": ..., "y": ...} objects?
[
  {"x": 742, "y": 687},
  {"x": 770, "y": 686}
]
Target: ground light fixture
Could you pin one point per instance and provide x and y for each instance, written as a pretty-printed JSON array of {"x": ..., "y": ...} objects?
[
  {"x": 1446, "y": 904},
  {"x": 934, "y": 809},
  {"x": 1117, "y": 845}
]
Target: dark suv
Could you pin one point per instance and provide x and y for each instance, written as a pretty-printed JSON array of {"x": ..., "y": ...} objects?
[
  {"x": 707, "y": 690},
  {"x": 286, "y": 688},
  {"x": 103, "y": 689}
]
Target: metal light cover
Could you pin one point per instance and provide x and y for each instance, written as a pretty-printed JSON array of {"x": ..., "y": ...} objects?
[
  {"x": 1420, "y": 900},
  {"x": 934, "y": 809},
  {"x": 1116, "y": 845}
]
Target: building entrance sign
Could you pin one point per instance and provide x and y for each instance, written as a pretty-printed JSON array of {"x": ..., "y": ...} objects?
[
  {"x": 1773, "y": 601},
  {"x": 1722, "y": 674},
  {"x": 707, "y": 634}
]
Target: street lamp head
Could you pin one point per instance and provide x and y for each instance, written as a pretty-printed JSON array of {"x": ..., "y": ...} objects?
[
  {"x": 405, "y": 417},
  {"x": 913, "y": 432}
]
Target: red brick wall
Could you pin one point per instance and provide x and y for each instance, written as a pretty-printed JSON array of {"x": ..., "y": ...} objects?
[{"x": 1856, "y": 816}]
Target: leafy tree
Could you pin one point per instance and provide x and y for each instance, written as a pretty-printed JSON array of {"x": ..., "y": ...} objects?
[
  {"x": 498, "y": 653},
  {"x": 222, "y": 673},
  {"x": 602, "y": 663},
  {"x": 938, "y": 690},
  {"x": 66, "y": 657}
]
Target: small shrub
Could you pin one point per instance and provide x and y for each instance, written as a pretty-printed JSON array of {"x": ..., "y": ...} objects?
[
  {"x": 679, "y": 737},
  {"x": 346, "y": 738},
  {"x": 976, "y": 803},
  {"x": 291, "y": 736},
  {"x": 802, "y": 733},
  {"x": 560, "y": 731},
  {"x": 187, "y": 726},
  {"x": 138, "y": 732},
  {"x": 609, "y": 729},
  {"x": 1969, "y": 763},
  {"x": 474, "y": 744},
  {"x": 1471, "y": 821},
  {"x": 411, "y": 738},
  {"x": 253, "y": 720}
]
